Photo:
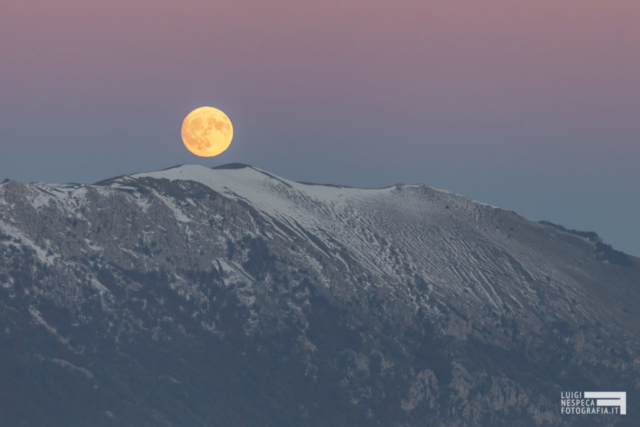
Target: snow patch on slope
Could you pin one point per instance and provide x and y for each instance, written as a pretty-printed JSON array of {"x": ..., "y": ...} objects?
[{"x": 22, "y": 239}]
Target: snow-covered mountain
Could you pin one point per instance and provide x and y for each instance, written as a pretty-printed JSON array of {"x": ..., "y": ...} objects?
[{"x": 230, "y": 296}]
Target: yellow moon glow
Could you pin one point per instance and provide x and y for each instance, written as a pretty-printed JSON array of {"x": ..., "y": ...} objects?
[{"x": 207, "y": 132}]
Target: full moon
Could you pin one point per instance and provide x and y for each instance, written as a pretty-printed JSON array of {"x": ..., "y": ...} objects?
[{"x": 207, "y": 132}]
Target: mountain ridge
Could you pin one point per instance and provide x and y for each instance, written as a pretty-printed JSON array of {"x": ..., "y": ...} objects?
[
  {"x": 231, "y": 296},
  {"x": 237, "y": 166}
]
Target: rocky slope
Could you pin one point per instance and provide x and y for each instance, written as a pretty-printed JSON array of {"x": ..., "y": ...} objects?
[{"x": 233, "y": 297}]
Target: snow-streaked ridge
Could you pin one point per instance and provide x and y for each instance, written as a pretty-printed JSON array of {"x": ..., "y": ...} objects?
[{"x": 428, "y": 226}]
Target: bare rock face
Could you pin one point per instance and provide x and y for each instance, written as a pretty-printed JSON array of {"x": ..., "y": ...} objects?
[{"x": 233, "y": 297}]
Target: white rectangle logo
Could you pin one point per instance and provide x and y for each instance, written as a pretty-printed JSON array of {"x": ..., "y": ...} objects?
[{"x": 609, "y": 398}]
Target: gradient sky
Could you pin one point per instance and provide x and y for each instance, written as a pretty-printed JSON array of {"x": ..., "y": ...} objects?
[{"x": 531, "y": 105}]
